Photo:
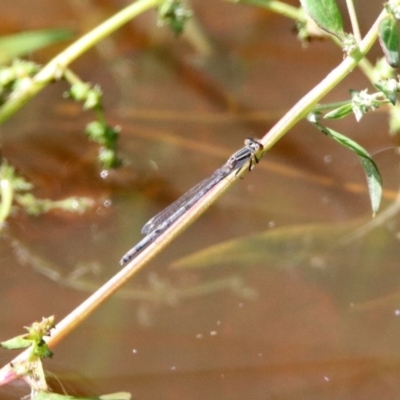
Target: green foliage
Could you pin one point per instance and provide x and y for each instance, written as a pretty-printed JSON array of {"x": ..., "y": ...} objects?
[
  {"x": 15, "y": 190},
  {"x": 373, "y": 176},
  {"x": 90, "y": 96},
  {"x": 389, "y": 40},
  {"x": 14, "y": 77},
  {"x": 393, "y": 7},
  {"x": 326, "y": 14},
  {"x": 362, "y": 102},
  {"x": 35, "y": 206},
  {"x": 33, "y": 339},
  {"x": 98, "y": 131},
  {"x": 32, "y": 368},
  {"x": 106, "y": 137},
  {"x": 20, "y": 44},
  {"x": 20, "y": 74},
  {"x": 340, "y": 112},
  {"x": 174, "y": 14},
  {"x": 389, "y": 89}
]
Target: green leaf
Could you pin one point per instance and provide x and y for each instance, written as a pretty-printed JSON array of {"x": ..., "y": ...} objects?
[
  {"x": 12, "y": 46},
  {"x": 326, "y": 14},
  {"x": 389, "y": 40},
  {"x": 340, "y": 112},
  {"x": 373, "y": 176},
  {"x": 18, "y": 342}
]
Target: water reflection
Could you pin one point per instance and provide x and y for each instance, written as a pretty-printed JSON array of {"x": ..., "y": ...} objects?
[{"x": 304, "y": 307}]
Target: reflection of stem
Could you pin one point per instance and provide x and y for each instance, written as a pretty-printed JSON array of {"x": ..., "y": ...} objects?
[
  {"x": 382, "y": 303},
  {"x": 198, "y": 38},
  {"x": 379, "y": 220},
  {"x": 56, "y": 67},
  {"x": 168, "y": 294},
  {"x": 160, "y": 291}
]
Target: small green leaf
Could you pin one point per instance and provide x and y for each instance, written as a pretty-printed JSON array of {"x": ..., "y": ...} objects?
[
  {"x": 374, "y": 182},
  {"x": 326, "y": 14},
  {"x": 340, "y": 112},
  {"x": 17, "y": 45},
  {"x": 18, "y": 342},
  {"x": 389, "y": 40},
  {"x": 373, "y": 176}
]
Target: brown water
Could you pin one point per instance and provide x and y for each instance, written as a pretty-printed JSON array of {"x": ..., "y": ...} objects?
[{"x": 284, "y": 290}]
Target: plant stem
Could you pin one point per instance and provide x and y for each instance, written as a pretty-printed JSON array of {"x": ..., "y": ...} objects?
[
  {"x": 278, "y": 7},
  {"x": 354, "y": 21},
  {"x": 56, "y": 67},
  {"x": 308, "y": 102}
]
